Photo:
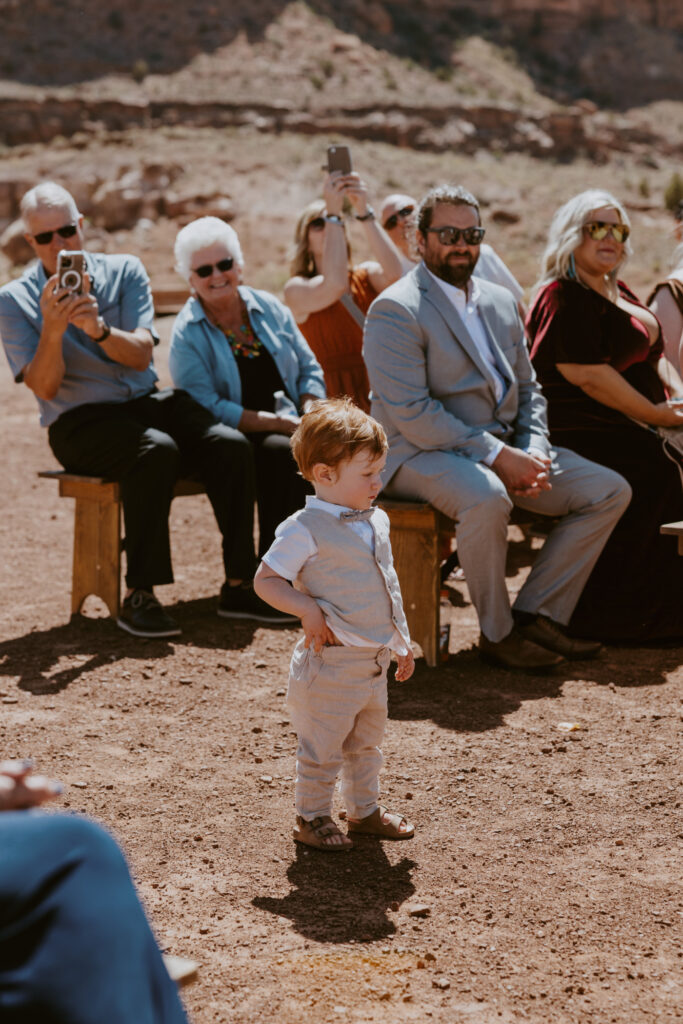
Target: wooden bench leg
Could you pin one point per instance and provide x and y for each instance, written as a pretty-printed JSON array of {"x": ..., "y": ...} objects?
[
  {"x": 97, "y": 554},
  {"x": 417, "y": 560}
]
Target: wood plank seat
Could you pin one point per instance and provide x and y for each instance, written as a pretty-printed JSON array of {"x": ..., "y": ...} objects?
[
  {"x": 97, "y": 535},
  {"x": 416, "y": 529},
  {"x": 675, "y": 530}
]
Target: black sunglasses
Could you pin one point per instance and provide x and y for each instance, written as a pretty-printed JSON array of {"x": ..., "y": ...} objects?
[
  {"x": 317, "y": 224},
  {"x": 45, "y": 237},
  {"x": 206, "y": 269},
  {"x": 451, "y": 236},
  {"x": 391, "y": 222}
]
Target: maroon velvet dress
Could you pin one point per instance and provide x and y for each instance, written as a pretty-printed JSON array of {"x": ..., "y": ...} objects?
[{"x": 635, "y": 592}]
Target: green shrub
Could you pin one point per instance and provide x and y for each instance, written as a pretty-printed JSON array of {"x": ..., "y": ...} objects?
[
  {"x": 140, "y": 70},
  {"x": 444, "y": 73},
  {"x": 673, "y": 193}
]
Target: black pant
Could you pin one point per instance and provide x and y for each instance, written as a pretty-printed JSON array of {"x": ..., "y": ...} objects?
[
  {"x": 279, "y": 488},
  {"x": 147, "y": 444}
]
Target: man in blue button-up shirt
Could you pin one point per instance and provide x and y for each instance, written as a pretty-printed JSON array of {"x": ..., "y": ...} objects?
[{"x": 87, "y": 356}]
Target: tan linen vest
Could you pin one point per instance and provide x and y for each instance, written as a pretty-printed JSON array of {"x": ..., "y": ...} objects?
[{"x": 357, "y": 592}]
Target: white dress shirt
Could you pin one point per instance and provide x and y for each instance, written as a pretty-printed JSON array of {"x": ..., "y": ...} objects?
[{"x": 466, "y": 305}]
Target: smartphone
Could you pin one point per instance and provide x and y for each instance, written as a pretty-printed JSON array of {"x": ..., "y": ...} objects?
[
  {"x": 339, "y": 159},
  {"x": 70, "y": 270}
]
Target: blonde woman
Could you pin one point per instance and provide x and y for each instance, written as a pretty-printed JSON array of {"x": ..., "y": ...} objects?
[
  {"x": 597, "y": 351},
  {"x": 327, "y": 295}
]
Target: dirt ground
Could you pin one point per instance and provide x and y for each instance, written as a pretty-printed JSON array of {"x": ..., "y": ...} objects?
[{"x": 543, "y": 883}]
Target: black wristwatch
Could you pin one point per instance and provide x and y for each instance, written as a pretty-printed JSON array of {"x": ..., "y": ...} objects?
[
  {"x": 370, "y": 215},
  {"x": 106, "y": 331}
]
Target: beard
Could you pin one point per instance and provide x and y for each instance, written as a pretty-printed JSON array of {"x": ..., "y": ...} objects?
[{"x": 457, "y": 274}]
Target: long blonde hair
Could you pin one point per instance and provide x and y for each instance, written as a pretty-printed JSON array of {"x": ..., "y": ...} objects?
[
  {"x": 566, "y": 234},
  {"x": 302, "y": 262}
]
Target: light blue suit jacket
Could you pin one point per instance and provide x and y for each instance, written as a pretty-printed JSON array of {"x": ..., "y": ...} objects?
[{"x": 432, "y": 389}]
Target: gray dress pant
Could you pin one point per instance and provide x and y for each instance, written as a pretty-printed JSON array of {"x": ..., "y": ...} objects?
[{"x": 587, "y": 498}]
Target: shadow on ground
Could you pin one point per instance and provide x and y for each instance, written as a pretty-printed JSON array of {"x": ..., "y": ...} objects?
[
  {"x": 47, "y": 661},
  {"x": 465, "y": 695},
  {"x": 339, "y": 897}
]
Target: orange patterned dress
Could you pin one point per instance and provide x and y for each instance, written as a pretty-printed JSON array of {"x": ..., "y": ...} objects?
[{"x": 337, "y": 342}]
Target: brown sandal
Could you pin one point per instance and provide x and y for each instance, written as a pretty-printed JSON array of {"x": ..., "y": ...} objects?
[
  {"x": 383, "y": 823},
  {"x": 314, "y": 833}
]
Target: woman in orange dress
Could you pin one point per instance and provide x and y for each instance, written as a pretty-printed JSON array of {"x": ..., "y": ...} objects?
[{"x": 328, "y": 296}]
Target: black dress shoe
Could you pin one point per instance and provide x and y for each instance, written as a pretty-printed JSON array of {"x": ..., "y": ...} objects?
[
  {"x": 546, "y": 633},
  {"x": 242, "y": 602},
  {"x": 514, "y": 651},
  {"x": 142, "y": 615}
]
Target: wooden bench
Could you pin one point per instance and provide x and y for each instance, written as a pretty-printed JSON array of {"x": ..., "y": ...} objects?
[
  {"x": 416, "y": 531},
  {"x": 676, "y": 530},
  {"x": 97, "y": 535}
]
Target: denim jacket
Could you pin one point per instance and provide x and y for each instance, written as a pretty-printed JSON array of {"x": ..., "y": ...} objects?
[{"x": 201, "y": 360}]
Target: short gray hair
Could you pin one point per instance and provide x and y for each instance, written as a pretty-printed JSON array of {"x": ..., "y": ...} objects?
[
  {"x": 200, "y": 234},
  {"x": 47, "y": 194},
  {"x": 453, "y": 195},
  {"x": 566, "y": 234}
]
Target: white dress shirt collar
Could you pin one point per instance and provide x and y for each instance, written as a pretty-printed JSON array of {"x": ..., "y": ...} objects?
[{"x": 464, "y": 299}]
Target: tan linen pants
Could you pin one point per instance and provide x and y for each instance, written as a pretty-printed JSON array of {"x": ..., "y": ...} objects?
[{"x": 338, "y": 704}]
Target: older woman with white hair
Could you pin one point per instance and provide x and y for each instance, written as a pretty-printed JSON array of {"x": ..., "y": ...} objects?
[
  {"x": 597, "y": 351},
  {"x": 239, "y": 353}
]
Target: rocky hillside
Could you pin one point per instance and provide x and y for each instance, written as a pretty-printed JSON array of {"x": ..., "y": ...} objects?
[
  {"x": 153, "y": 113},
  {"x": 616, "y": 52}
]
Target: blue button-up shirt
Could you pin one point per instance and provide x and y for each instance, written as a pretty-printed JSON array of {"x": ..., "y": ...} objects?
[
  {"x": 124, "y": 299},
  {"x": 201, "y": 360}
]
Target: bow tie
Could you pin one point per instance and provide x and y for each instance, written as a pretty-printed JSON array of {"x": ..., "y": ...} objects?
[{"x": 357, "y": 515}]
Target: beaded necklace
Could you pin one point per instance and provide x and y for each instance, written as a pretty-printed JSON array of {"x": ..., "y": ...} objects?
[{"x": 243, "y": 341}]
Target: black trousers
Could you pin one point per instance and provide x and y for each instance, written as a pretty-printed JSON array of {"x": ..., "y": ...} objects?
[
  {"x": 147, "y": 444},
  {"x": 279, "y": 488}
]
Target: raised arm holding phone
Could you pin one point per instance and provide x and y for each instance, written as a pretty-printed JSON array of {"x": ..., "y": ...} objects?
[{"x": 328, "y": 295}]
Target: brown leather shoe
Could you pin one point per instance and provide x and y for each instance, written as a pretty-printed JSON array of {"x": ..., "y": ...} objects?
[
  {"x": 514, "y": 651},
  {"x": 549, "y": 634}
]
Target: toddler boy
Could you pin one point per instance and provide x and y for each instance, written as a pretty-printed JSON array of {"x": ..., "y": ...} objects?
[{"x": 331, "y": 565}]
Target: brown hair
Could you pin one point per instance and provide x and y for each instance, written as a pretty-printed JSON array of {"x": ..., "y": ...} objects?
[
  {"x": 451, "y": 195},
  {"x": 332, "y": 431},
  {"x": 302, "y": 263}
]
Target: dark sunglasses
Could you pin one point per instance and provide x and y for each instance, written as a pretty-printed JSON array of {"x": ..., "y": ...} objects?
[
  {"x": 206, "y": 269},
  {"x": 317, "y": 224},
  {"x": 599, "y": 229},
  {"x": 451, "y": 236},
  {"x": 45, "y": 237},
  {"x": 391, "y": 222}
]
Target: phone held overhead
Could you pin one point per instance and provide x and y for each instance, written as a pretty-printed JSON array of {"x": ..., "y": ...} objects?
[{"x": 339, "y": 159}]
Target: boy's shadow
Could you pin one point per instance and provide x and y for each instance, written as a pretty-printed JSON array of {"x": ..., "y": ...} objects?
[{"x": 339, "y": 897}]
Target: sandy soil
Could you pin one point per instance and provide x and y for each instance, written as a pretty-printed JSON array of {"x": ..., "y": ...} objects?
[{"x": 543, "y": 882}]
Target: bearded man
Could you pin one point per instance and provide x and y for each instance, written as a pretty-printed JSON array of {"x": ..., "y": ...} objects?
[{"x": 466, "y": 421}]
